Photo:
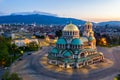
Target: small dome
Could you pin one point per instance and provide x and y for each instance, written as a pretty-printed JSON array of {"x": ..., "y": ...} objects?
[
  {"x": 89, "y": 23},
  {"x": 70, "y": 27},
  {"x": 91, "y": 38},
  {"x": 100, "y": 53},
  {"x": 76, "y": 41},
  {"x": 55, "y": 51},
  {"x": 61, "y": 41},
  {"x": 67, "y": 53},
  {"x": 84, "y": 39}
]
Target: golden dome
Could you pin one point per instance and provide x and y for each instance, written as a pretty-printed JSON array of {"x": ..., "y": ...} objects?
[
  {"x": 70, "y": 27},
  {"x": 89, "y": 23}
]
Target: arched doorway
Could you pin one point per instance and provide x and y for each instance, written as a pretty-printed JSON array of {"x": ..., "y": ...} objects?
[{"x": 82, "y": 55}]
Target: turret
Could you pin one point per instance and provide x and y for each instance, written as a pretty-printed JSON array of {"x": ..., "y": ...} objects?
[
  {"x": 89, "y": 33},
  {"x": 88, "y": 29}
]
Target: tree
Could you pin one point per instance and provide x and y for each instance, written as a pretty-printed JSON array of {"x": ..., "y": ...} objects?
[
  {"x": 117, "y": 77},
  {"x": 5, "y": 75},
  {"x": 58, "y": 33},
  {"x": 14, "y": 49},
  {"x": 14, "y": 76},
  {"x": 4, "y": 54},
  {"x": 32, "y": 46},
  {"x": 8, "y": 76}
]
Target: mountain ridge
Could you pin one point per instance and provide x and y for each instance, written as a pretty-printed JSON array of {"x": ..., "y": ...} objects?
[
  {"x": 38, "y": 19},
  {"x": 34, "y": 12},
  {"x": 46, "y": 18},
  {"x": 109, "y": 23}
]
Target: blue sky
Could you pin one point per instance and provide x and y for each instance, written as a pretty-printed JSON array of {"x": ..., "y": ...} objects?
[{"x": 91, "y": 10}]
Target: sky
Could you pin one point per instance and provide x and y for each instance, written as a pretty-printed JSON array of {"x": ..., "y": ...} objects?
[{"x": 90, "y": 10}]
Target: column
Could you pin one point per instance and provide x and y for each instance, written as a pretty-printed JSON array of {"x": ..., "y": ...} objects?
[{"x": 76, "y": 64}]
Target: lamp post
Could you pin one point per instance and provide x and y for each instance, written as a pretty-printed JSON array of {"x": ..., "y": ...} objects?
[{"x": 22, "y": 52}]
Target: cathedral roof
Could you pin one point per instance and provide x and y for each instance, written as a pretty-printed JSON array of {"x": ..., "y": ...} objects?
[
  {"x": 67, "y": 53},
  {"x": 68, "y": 60},
  {"x": 91, "y": 38},
  {"x": 89, "y": 23},
  {"x": 70, "y": 27},
  {"x": 76, "y": 41},
  {"x": 100, "y": 53},
  {"x": 61, "y": 41},
  {"x": 84, "y": 39},
  {"x": 54, "y": 51}
]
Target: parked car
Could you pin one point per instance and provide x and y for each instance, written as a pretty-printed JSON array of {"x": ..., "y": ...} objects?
[
  {"x": 19, "y": 59},
  {"x": 29, "y": 53}
]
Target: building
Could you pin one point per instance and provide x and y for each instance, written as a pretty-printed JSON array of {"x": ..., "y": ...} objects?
[
  {"x": 23, "y": 39},
  {"x": 73, "y": 50},
  {"x": 21, "y": 42}
]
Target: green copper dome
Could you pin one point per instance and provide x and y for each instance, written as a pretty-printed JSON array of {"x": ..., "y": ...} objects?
[
  {"x": 91, "y": 38},
  {"x": 67, "y": 53},
  {"x": 76, "y": 41},
  {"x": 61, "y": 41},
  {"x": 55, "y": 51}
]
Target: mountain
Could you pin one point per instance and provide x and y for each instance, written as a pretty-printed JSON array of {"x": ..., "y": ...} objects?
[
  {"x": 109, "y": 23},
  {"x": 2, "y": 14},
  {"x": 38, "y": 18},
  {"x": 34, "y": 12},
  {"x": 46, "y": 18}
]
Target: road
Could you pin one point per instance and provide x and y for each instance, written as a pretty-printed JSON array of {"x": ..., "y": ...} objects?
[
  {"x": 31, "y": 69},
  {"x": 1, "y": 72}
]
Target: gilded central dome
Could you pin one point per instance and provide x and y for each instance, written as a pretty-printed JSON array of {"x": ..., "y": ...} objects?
[{"x": 70, "y": 27}]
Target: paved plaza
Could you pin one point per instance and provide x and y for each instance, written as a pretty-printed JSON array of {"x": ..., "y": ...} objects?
[{"x": 33, "y": 68}]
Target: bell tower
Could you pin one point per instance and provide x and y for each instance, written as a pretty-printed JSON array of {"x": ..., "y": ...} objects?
[{"x": 88, "y": 29}]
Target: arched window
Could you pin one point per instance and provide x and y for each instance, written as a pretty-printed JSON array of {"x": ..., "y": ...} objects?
[
  {"x": 88, "y": 27},
  {"x": 70, "y": 33},
  {"x": 82, "y": 55}
]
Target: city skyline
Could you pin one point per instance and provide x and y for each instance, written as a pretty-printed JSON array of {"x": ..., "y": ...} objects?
[{"x": 90, "y": 10}]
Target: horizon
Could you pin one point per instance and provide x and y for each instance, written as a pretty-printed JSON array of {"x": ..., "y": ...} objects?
[{"x": 89, "y": 10}]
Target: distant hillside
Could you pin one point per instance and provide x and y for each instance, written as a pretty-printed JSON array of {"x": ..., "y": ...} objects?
[
  {"x": 46, "y": 18},
  {"x": 110, "y": 23},
  {"x": 38, "y": 19},
  {"x": 34, "y": 12}
]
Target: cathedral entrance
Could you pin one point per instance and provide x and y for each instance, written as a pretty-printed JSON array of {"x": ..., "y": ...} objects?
[{"x": 75, "y": 66}]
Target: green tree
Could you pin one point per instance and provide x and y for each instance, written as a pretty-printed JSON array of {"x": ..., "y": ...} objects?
[
  {"x": 58, "y": 33},
  {"x": 32, "y": 46},
  {"x": 8, "y": 76},
  {"x": 4, "y": 54},
  {"x": 14, "y": 49},
  {"x": 14, "y": 76},
  {"x": 117, "y": 77},
  {"x": 5, "y": 76}
]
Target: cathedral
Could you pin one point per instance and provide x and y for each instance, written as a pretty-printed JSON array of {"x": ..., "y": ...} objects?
[{"x": 73, "y": 50}]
